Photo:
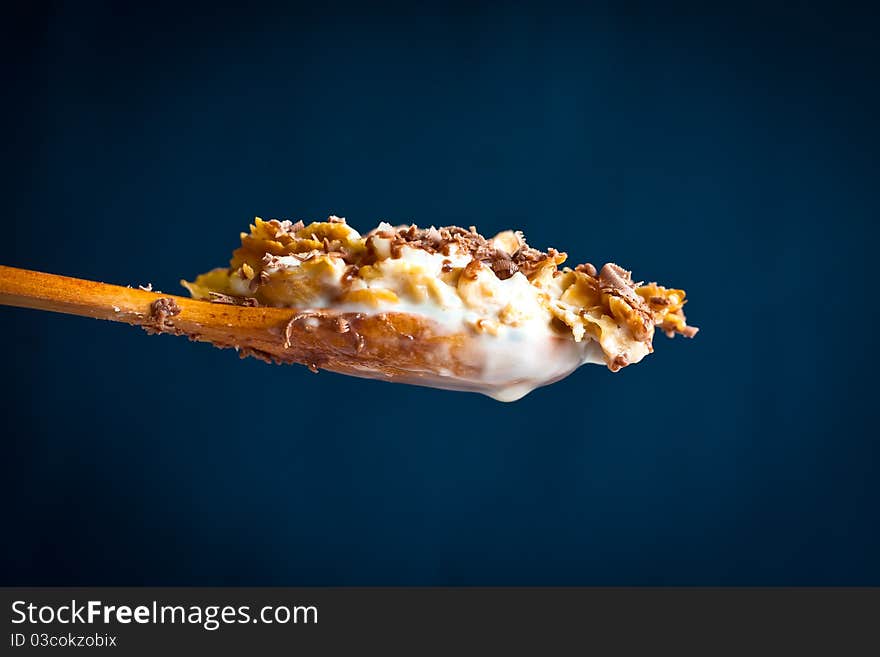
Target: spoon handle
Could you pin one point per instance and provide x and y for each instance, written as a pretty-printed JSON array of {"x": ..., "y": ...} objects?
[
  {"x": 224, "y": 324},
  {"x": 74, "y": 296}
]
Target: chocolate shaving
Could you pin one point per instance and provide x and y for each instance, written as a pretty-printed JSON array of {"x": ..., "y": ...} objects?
[
  {"x": 285, "y": 227},
  {"x": 288, "y": 327},
  {"x": 617, "y": 281},
  {"x": 305, "y": 257},
  {"x": 219, "y": 297},
  {"x": 244, "y": 352},
  {"x": 530, "y": 260},
  {"x": 618, "y": 362},
  {"x": 350, "y": 273},
  {"x": 440, "y": 240},
  {"x": 288, "y": 330},
  {"x": 162, "y": 309},
  {"x": 503, "y": 266}
]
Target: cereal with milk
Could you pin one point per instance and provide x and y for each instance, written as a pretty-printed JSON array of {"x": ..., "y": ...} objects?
[{"x": 512, "y": 300}]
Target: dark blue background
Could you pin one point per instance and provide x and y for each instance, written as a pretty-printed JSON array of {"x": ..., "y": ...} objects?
[{"x": 730, "y": 152}]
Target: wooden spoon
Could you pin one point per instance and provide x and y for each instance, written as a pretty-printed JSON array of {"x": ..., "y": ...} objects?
[{"x": 390, "y": 346}]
